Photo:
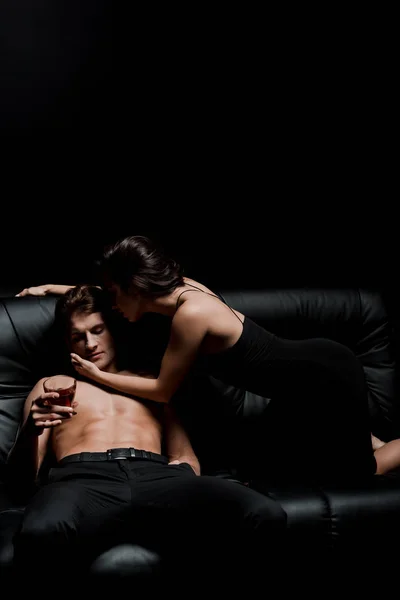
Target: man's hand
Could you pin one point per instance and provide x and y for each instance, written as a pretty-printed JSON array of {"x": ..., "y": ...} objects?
[
  {"x": 85, "y": 367},
  {"x": 46, "y": 413},
  {"x": 194, "y": 463}
]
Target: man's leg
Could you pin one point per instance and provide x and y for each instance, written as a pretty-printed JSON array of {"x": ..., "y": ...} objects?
[
  {"x": 70, "y": 520},
  {"x": 203, "y": 524}
]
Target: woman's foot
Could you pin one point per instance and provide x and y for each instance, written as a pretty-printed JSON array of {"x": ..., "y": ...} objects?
[{"x": 376, "y": 443}]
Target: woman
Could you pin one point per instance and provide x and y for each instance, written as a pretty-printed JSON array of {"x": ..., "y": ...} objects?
[{"x": 318, "y": 382}]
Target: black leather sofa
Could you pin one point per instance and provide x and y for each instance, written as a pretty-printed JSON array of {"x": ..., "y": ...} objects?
[{"x": 327, "y": 523}]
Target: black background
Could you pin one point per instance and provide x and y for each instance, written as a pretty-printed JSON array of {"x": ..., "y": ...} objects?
[{"x": 258, "y": 152}]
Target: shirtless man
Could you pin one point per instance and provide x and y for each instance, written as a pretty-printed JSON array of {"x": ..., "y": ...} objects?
[{"x": 124, "y": 469}]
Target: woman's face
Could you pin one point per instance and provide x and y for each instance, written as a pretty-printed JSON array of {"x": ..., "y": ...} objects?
[{"x": 125, "y": 303}]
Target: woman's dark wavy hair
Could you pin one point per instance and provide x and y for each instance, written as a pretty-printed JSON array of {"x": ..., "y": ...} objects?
[{"x": 137, "y": 264}]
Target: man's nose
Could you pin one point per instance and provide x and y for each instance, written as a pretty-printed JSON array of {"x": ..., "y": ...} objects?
[{"x": 91, "y": 341}]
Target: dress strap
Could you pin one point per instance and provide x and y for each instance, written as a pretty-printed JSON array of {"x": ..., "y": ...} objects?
[
  {"x": 209, "y": 294},
  {"x": 177, "y": 300}
]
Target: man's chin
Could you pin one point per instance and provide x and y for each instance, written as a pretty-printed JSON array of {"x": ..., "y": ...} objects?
[
  {"x": 104, "y": 365},
  {"x": 100, "y": 362}
]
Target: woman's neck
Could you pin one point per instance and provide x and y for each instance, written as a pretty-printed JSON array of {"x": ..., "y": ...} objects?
[{"x": 165, "y": 305}]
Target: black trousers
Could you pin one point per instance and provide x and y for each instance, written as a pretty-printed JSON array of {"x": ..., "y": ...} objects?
[
  {"x": 317, "y": 425},
  {"x": 200, "y": 523}
]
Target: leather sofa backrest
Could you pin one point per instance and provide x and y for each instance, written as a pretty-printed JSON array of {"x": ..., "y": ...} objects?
[{"x": 358, "y": 318}]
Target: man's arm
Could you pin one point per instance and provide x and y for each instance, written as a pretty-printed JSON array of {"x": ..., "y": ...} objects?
[
  {"x": 177, "y": 444},
  {"x": 388, "y": 457},
  {"x": 30, "y": 448},
  {"x": 176, "y": 441}
]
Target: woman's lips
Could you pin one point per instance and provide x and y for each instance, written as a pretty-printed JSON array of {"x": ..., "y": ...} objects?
[{"x": 95, "y": 356}]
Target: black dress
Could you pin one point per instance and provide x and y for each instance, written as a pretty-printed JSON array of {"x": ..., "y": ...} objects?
[{"x": 319, "y": 420}]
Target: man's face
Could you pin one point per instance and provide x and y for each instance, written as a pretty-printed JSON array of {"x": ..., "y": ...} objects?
[{"x": 91, "y": 339}]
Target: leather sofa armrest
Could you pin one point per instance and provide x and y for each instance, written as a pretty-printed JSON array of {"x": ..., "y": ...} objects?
[
  {"x": 5, "y": 497},
  {"x": 8, "y": 500}
]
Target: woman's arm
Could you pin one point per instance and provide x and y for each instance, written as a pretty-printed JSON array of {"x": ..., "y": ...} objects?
[
  {"x": 43, "y": 290},
  {"x": 189, "y": 327}
]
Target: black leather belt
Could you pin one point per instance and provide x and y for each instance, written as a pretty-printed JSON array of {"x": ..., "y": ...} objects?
[{"x": 114, "y": 454}]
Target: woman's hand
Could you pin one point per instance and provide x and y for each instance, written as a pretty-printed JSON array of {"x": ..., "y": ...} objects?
[
  {"x": 85, "y": 367},
  {"x": 39, "y": 290},
  {"x": 376, "y": 442},
  {"x": 43, "y": 290}
]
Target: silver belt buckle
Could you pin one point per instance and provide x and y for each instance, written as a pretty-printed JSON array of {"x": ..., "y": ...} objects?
[{"x": 111, "y": 457}]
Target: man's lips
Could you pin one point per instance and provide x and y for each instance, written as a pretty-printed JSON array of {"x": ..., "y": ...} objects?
[{"x": 94, "y": 356}]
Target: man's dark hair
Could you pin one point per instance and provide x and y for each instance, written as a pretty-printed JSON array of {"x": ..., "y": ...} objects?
[
  {"x": 86, "y": 300},
  {"x": 83, "y": 299}
]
